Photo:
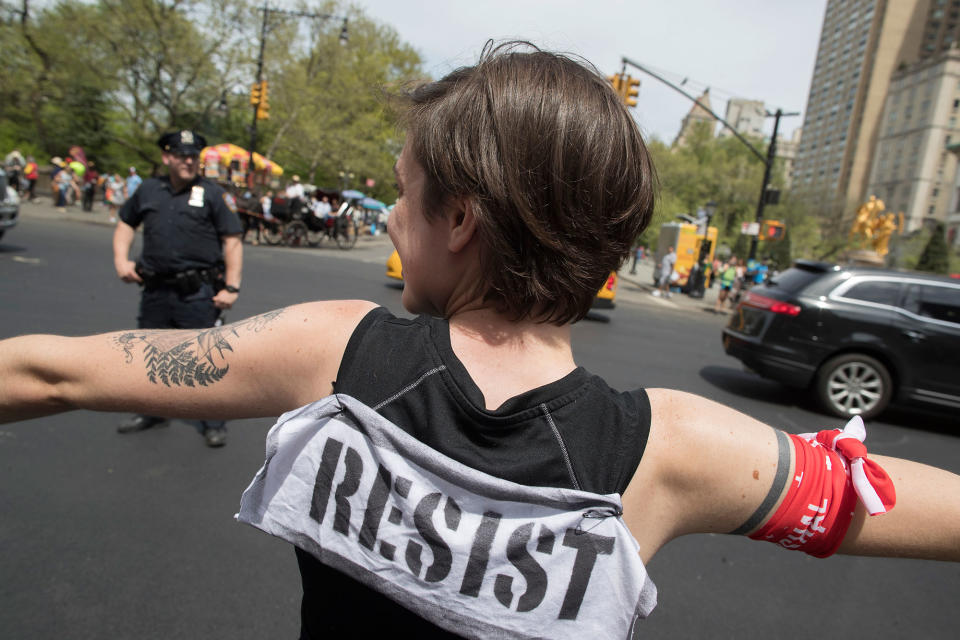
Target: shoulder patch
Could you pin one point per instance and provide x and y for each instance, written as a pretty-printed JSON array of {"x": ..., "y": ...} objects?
[{"x": 230, "y": 201}]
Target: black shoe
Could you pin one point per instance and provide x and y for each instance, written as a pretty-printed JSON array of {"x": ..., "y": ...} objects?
[
  {"x": 139, "y": 423},
  {"x": 215, "y": 436}
]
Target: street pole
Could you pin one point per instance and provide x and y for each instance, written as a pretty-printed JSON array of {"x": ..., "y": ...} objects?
[
  {"x": 263, "y": 40},
  {"x": 771, "y": 157},
  {"x": 253, "y": 125}
]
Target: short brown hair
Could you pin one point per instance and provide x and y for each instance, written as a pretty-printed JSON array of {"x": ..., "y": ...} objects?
[{"x": 554, "y": 166}]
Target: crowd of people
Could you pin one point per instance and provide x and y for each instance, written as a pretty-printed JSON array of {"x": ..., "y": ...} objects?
[{"x": 73, "y": 179}]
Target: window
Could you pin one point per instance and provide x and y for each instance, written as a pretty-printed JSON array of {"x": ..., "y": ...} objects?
[
  {"x": 936, "y": 303},
  {"x": 875, "y": 291}
]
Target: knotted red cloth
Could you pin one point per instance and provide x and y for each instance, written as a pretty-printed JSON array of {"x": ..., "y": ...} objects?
[{"x": 831, "y": 471}]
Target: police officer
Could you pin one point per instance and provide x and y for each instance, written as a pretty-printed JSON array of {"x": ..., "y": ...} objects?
[{"x": 192, "y": 254}]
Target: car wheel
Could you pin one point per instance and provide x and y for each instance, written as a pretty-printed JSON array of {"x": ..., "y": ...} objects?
[{"x": 854, "y": 384}]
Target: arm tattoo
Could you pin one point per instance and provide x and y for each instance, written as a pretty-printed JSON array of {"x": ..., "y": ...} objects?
[{"x": 187, "y": 357}]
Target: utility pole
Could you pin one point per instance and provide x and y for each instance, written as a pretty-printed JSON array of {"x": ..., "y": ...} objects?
[
  {"x": 771, "y": 156},
  {"x": 767, "y": 161},
  {"x": 261, "y": 94}
]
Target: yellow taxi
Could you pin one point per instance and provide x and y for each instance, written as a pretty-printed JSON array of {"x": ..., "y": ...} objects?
[{"x": 604, "y": 300}]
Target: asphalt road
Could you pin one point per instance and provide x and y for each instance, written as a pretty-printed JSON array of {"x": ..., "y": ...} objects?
[{"x": 103, "y": 535}]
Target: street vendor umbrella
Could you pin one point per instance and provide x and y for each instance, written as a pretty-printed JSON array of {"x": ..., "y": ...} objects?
[
  {"x": 370, "y": 203},
  {"x": 262, "y": 164},
  {"x": 228, "y": 152},
  {"x": 352, "y": 194}
]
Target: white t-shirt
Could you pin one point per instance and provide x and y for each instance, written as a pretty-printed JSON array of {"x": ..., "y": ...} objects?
[
  {"x": 295, "y": 190},
  {"x": 321, "y": 208}
]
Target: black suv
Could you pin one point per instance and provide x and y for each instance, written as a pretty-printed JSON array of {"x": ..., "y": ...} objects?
[{"x": 860, "y": 336}]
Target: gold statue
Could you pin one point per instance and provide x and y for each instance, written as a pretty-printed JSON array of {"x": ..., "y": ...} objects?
[
  {"x": 875, "y": 226},
  {"x": 866, "y": 215}
]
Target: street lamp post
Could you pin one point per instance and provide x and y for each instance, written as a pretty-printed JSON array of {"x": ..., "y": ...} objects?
[{"x": 267, "y": 10}]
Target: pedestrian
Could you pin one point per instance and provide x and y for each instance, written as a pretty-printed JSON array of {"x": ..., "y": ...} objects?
[
  {"x": 31, "y": 172},
  {"x": 63, "y": 181},
  {"x": 637, "y": 255},
  {"x": 728, "y": 274},
  {"x": 15, "y": 164},
  {"x": 667, "y": 262},
  {"x": 90, "y": 181},
  {"x": 133, "y": 183},
  {"x": 190, "y": 266},
  {"x": 114, "y": 189},
  {"x": 457, "y": 472}
]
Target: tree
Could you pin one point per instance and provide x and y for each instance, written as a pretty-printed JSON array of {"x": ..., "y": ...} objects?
[
  {"x": 329, "y": 106},
  {"x": 935, "y": 256},
  {"x": 112, "y": 76}
]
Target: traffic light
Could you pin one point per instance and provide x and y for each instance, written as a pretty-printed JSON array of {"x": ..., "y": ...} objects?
[
  {"x": 255, "y": 94},
  {"x": 631, "y": 91},
  {"x": 263, "y": 109},
  {"x": 616, "y": 81},
  {"x": 773, "y": 230}
]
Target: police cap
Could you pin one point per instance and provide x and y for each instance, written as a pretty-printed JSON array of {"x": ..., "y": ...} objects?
[{"x": 184, "y": 142}]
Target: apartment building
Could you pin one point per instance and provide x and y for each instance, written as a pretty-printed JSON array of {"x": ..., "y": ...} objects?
[
  {"x": 913, "y": 170},
  {"x": 862, "y": 43}
]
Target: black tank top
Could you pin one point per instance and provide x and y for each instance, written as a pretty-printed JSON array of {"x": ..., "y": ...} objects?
[{"x": 575, "y": 433}]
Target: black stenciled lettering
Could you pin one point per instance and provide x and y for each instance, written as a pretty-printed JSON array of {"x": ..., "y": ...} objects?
[
  {"x": 532, "y": 572},
  {"x": 349, "y": 486},
  {"x": 423, "y": 521},
  {"x": 412, "y": 556},
  {"x": 588, "y": 546},
  {"x": 324, "y": 482},
  {"x": 387, "y": 550},
  {"x": 546, "y": 541},
  {"x": 480, "y": 554},
  {"x": 376, "y": 502}
]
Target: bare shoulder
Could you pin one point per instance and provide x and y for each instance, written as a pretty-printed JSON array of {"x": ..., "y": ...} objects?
[{"x": 706, "y": 469}]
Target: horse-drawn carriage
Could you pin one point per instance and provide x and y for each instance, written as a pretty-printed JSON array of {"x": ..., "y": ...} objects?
[{"x": 292, "y": 222}]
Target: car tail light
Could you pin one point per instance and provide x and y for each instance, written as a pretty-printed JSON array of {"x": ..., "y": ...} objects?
[{"x": 757, "y": 301}]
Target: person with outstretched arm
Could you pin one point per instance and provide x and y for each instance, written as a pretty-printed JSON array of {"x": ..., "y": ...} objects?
[{"x": 458, "y": 474}]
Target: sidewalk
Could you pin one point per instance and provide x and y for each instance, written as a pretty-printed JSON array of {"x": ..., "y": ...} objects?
[{"x": 638, "y": 287}]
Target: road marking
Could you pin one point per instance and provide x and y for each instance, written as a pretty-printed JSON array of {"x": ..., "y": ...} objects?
[{"x": 27, "y": 260}]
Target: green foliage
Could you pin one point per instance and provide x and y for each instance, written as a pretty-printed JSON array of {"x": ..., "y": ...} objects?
[
  {"x": 935, "y": 256},
  {"x": 112, "y": 76},
  {"x": 741, "y": 247},
  {"x": 331, "y": 117}
]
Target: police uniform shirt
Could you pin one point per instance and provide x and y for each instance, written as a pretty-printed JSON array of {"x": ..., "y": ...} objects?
[{"x": 181, "y": 230}]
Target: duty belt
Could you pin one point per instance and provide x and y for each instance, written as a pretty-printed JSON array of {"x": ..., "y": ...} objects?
[{"x": 185, "y": 282}]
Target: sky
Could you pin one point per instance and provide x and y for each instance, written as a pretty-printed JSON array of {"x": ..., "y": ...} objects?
[{"x": 755, "y": 49}]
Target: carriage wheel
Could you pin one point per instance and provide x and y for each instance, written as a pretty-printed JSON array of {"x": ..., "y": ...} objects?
[
  {"x": 273, "y": 233},
  {"x": 295, "y": 234}
]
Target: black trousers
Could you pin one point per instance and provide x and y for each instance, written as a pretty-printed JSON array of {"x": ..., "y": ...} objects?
[{"x": 165, "y": 308}]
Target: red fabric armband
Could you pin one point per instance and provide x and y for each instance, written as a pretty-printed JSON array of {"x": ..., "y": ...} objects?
[{"x": 831, "y": 471}]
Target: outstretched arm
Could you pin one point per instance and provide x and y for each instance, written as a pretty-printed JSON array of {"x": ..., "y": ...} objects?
[
  {"x": 261, "y": 366},
  {"x": 708, "y": 469}
]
